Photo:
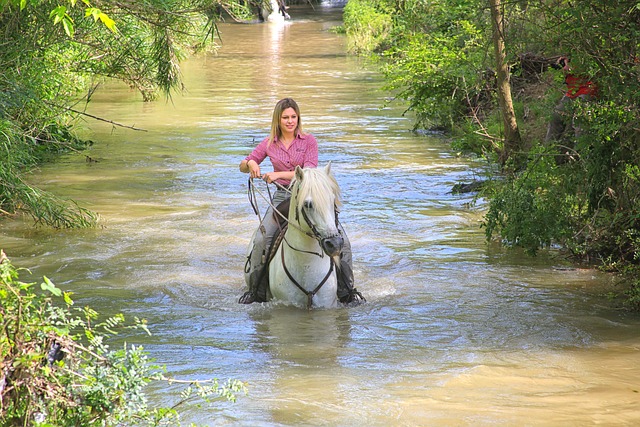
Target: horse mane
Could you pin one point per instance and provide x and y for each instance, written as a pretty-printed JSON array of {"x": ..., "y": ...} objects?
[{"x": 317, "y": 185}]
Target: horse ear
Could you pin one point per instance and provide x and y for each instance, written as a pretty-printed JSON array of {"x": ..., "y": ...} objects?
[
  {"x": 327, "y": 169},
  {"x": 299, "y": 173}
]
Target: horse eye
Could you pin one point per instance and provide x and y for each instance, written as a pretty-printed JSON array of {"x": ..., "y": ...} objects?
[{"x": 308, "y": 204}]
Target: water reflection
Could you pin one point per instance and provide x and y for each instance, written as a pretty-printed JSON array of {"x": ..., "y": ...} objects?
[
  {"x": 273, "y": 64},
  {"x": 310, "y": 360},
  {"x": 300, "y": 338}
]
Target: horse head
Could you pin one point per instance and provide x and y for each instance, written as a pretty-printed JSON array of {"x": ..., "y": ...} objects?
[{"x": 315, "y": 198}]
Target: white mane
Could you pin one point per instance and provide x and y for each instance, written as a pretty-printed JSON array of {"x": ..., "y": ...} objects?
[{"x": 317, "y": 185}]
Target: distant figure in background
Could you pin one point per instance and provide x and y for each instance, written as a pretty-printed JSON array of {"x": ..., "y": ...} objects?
[
  {"x": 274, "y": 11},
  {"x": 282, "y": 7},
  {"x": 578, "y": 87}
]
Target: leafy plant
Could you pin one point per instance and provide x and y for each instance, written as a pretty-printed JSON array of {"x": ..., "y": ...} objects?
[
  {"x": 57, "y": 369},
  {"x": 532, "y": 210}
]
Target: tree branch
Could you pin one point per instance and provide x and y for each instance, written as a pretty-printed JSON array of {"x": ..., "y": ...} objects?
[{"x": 97, "y": 118}]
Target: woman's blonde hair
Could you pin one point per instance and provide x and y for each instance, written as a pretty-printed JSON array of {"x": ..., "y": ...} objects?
[{"x": 282, "y": 105}]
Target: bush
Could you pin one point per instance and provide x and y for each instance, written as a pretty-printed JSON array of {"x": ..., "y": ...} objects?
[
  {"x": 56, "y": 368},
  {"x": 367, "y": 23},
  {"x": 533, "y": 209},
  {"x": 431, "y": 55}
]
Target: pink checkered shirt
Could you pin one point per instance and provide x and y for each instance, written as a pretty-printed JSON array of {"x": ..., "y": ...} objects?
[{"x": 302, "y": 152}]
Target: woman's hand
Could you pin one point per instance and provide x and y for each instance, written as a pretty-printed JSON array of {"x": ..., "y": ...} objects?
[
  {"x": 254, "y": 169},
  {"x": 250, "y": 167},
  {"x": 269, "y": 177}
]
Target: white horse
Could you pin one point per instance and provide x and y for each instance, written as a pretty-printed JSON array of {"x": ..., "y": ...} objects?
[{"x": 303, "y": 270}]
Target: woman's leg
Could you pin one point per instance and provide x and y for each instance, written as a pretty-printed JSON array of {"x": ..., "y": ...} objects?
[
  {"x": 347, "y": 292},
  {"x": 258, "y": 281}
]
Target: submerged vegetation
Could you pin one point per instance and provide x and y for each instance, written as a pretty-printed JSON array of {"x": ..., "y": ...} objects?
[{"x": 581, "y": 191}]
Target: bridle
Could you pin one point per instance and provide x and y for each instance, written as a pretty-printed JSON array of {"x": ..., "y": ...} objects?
[
  {"x": 314, "y": 231},
  {"x": 315, "y": 234}
]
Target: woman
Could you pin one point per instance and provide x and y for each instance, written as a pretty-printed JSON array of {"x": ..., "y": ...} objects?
[{"x": 287, "y": 146}]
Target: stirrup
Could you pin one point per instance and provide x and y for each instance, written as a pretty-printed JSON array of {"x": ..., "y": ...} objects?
[{"x": 247, "y": 298}]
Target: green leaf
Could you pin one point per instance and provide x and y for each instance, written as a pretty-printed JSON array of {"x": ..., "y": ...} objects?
[
  {"x": 58, "y": 13},
  {"x": 108, "y": 22},
  {"x": 103, "y": 17},
  {"x": 48, "y": 285},
  {"x": 67, "y": 298},
  {"x": 67, "y": 23},
  {"x": 92, "y": 11}
]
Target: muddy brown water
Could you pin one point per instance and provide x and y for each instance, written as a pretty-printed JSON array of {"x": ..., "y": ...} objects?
[{"x": 455, "y": 331}]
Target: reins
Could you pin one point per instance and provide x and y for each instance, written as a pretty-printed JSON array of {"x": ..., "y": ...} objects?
[{"x": 253, "y": 201}]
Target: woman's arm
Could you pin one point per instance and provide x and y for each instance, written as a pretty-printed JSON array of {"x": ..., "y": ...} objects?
[
  {"x": 250, "y": 167},
  {"x": 251, "y": 163}
]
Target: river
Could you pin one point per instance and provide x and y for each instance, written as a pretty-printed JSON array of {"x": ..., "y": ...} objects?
[{"x": 455, "y": 331}]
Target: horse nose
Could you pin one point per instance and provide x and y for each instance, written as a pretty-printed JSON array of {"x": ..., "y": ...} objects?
[{"x": 332, "y": 245}]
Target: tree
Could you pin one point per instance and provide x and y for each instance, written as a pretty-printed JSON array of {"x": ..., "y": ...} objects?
[
  {"x": 512, "y": 140},
  {"x": 435, "y": 58}
]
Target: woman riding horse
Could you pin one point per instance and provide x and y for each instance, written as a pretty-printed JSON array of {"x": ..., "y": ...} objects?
[{"x": 287, "y": 146}]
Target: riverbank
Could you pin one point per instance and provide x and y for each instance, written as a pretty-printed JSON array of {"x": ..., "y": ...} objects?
[{"x": 580, "y": 188}]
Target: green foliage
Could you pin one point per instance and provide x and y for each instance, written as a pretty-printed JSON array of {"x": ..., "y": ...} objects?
[
  {"x": 533, "y": 209},
  {"x": 18, "y": 151},
  {"x": 581, "y": 192},
  {"x": 435, "y": 74},
  {"x": 633, "y": 291},
  {"x": 602, "y": 136},
  {"x": 367, "y": 23},
  {"x": 589, "y": 203},
  {"x": 43, "y": 207},
  {"x": 432, "y": 54},
  {"x": 57, "y": 369}
]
